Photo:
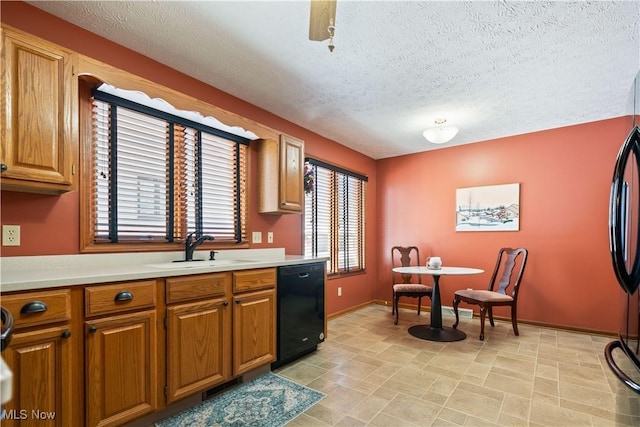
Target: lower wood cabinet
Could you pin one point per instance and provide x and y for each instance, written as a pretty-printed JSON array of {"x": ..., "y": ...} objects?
[
  {"x": 254, "y": 319},
  {"x": 198, "y": 347},
  {"x": 254, "y": 330},
  {"x": 43, "y": 356},
  {"x": 198, "y": 333},
  {"x": 41, "y": 362},
  {"x": 121, "y": 368},
  {"x": 102, "y": 355},
  {"x": 121, "y": 352}
]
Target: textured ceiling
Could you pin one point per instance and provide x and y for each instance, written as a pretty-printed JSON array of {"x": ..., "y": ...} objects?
[{"x": 493, "y": 69}]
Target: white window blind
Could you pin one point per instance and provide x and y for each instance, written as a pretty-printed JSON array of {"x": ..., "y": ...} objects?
[
  {"x": 334, "y": 223},
  {"x": 157, "y": 177}
]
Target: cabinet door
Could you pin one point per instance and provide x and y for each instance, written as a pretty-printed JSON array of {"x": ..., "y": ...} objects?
[
  {"x": 121, "y": 374},
  {"x": 39, "y": 115},
  {"x": 254, "y": 325},
  {"x": 280, "y": 175},
  {"x": 198, "y": 347},
  {"x": 42, "y": 379},
  {"x": 291, "y": 174}
]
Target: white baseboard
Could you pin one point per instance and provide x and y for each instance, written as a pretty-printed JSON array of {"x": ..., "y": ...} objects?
[{"x": 465, "y": 313}]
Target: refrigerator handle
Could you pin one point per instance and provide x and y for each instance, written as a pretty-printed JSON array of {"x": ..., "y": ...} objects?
[
  {"x": 628, "y": 277},
  {"x": 616, "y": 370}
]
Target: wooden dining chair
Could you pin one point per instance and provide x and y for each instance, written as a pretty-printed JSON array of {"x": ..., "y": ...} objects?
[
  {"x": 403, "y": 286},
  {"x": 509, "y": 261}
]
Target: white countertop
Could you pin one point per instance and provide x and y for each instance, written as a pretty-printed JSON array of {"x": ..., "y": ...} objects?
[{"x": 42, "y": 272}]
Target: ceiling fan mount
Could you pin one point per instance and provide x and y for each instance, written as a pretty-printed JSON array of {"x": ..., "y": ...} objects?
[{"x": 322, "y": 20}]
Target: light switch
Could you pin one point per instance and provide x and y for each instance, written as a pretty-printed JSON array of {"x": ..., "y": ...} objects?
[
  {"x": 270, "y": 237},
  {"x": 256, "y": 237}
]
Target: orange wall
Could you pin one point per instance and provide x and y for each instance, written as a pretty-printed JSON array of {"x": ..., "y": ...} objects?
[
  {"x": 50, "y": 224},
  {"x": 565, "y": 176}
]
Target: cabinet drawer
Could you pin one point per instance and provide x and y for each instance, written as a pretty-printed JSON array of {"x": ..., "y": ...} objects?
[
  {"x": 197, "y": 287},
  {"x": 119, "y": 297},
  {"x": 249, "y": 280},
  {"x": 37, "y": 308}
]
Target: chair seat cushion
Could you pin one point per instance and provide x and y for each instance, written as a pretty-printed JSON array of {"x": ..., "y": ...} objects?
[
  {"x": 484, "y": 296},
  {"x": 411, "y": 287}
]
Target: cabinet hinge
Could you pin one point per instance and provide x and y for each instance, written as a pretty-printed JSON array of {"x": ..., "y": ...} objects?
[
  {"x": 73, "y": 70},
  {"x": 166, "y": 322},
  {"x": 73, "y": 169},
  {"x": 166, "y": 391}
]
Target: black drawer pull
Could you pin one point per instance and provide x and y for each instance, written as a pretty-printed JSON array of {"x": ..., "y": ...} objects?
[
  {"x": 238, "y": 301},
  {"x": 66, "y": 334},
  {"x": 225, "y": 303},
  {"x": 34, "y": 307},
  {"x": 3, "y": 167},
  {"x": 124, "y": 296},
  {"x": 93, "y": 329}
]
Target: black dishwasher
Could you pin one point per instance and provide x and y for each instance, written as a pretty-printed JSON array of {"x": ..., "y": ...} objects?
[{"x": 301, "y": 317}]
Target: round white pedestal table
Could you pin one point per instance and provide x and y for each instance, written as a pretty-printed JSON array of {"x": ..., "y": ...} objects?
[{"x": 435, "y": 331}]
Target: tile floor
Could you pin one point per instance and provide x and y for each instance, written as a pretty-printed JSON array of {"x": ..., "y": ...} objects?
[{"x": 375, "y": 374}]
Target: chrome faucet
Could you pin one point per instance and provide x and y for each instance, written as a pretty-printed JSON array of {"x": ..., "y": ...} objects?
[{"x": 191, "y": 244}]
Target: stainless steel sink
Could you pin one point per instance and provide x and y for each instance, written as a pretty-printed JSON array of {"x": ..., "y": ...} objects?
[{"x": 198, "y": 264}]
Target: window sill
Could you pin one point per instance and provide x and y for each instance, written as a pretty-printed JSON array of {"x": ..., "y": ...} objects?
[
  {"x": 156, "y": 247},
  {"x": 333, "y": 276}
]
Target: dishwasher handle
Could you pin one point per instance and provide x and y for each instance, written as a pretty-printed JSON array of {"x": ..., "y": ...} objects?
[{"x": 301, "y": 271}]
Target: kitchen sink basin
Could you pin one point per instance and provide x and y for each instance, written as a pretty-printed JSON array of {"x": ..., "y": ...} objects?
[{"x": 198, "y": 264}]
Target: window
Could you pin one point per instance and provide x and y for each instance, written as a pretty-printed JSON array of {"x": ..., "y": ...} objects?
[
  {"x": 334, "y": 220},
  {"x": 156, "y": 177}
]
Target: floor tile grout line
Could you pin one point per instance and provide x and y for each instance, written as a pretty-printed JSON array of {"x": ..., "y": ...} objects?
[{"x": 583, "y": 358}]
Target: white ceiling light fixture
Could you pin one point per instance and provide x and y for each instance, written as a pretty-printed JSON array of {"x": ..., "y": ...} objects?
[{"x": 440, "y": 134}]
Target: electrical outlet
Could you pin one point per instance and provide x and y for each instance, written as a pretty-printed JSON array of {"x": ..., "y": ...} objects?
[
  {"x": 256, "y": 237},
  {"x": 10, "y": 235},
  {"x": 339, "y": 292},
  {"x": 270, "y": 237}
]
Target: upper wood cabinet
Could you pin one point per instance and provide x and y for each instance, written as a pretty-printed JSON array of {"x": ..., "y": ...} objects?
[
  {"x": 280, "y": 175},
  {"x": 39, "y": 137}
]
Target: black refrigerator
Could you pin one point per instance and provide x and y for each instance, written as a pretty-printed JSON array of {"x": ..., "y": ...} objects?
[{"x": 623, "y": 354}]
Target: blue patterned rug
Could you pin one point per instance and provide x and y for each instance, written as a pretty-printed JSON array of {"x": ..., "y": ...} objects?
[{"x": 266, "y": 401}]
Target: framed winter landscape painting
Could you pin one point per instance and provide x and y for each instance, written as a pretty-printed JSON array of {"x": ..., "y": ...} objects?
[{"x": 488, "y": 208}]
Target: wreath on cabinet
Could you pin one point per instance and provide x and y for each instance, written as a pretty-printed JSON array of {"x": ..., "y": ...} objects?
[{"x": 308, "y": 179}]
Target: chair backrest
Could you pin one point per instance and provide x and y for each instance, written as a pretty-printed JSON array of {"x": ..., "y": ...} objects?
[
  {"x": 509, "y": 270},
  {"x": 405, "y": 256}
]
